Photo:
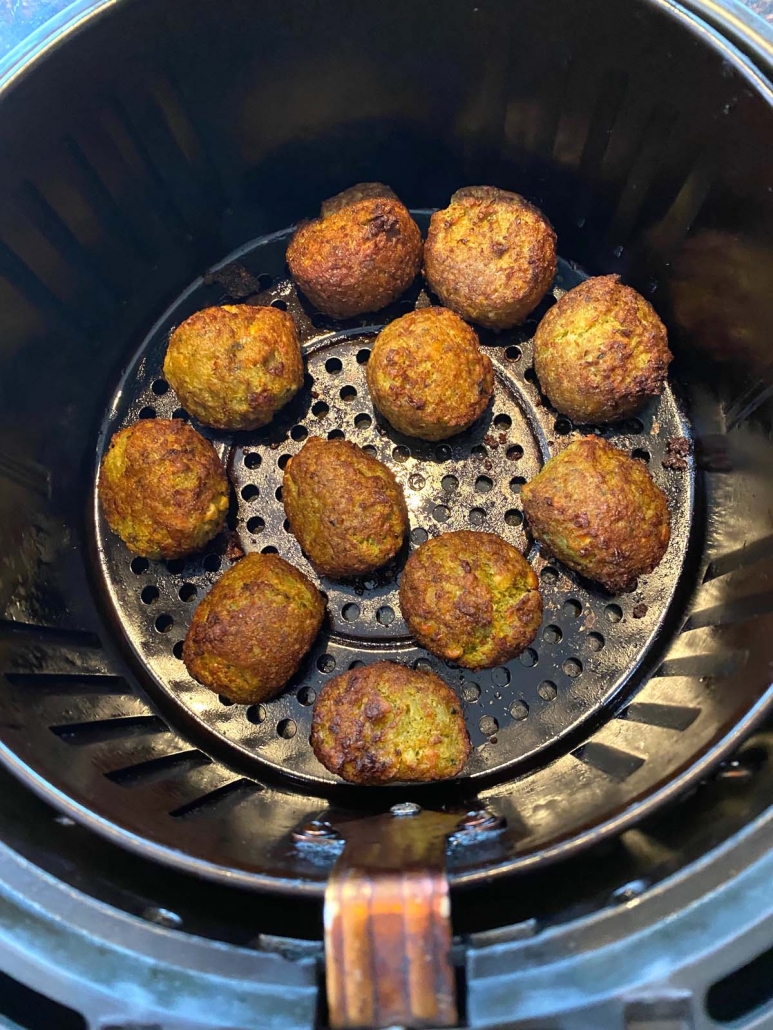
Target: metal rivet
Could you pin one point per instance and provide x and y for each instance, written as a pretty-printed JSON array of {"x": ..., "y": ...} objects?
[
  {"x": 162, "y": 917},
  {"x": 316, "y": 832},
  {"x": 405, "y": 808}
]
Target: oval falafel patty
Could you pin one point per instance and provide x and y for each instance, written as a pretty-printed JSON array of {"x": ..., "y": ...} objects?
[
  {"x": 600, "y": 512},
  {"x": 235, "y": 366},
  {"x": 250, "y": 633},
  {"x": 601, "y": 352},
  {"x": 360, "y": 254},
  {"x": 490, "y": 256},
  {"x": 385, "y": 722},
  {"x": 428, "y": 376},
  {"x": 346, "y": 509},
  {"x": 162, "y": 488},
  {"x": 472, "y": 598}
]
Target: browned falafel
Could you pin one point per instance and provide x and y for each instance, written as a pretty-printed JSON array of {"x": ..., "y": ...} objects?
[
  {"x": 490, "y": 256},
  {"x": 360, "y": 254},
  {"x": 385, "y": 722},
  {"x": 428, "y": 375},
  {"x": 162, "y": 488},
  {"x": 472, "y": 598},
  {"x": 346, "y": 508},
  {"x": 601, "y": 352},
  {"x": 235, "y": 366},
  {"x": 250, "y": 633},
  {"x": 600, "y": 512}
]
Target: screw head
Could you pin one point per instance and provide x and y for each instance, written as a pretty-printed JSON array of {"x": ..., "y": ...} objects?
[{"x": 318, "y": 831}]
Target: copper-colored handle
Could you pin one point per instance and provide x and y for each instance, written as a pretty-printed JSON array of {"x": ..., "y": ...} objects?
[{"x": 387, "y": 924}]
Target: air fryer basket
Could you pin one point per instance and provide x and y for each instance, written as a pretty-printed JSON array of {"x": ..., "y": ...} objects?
[{"x": 164, "y": 141}]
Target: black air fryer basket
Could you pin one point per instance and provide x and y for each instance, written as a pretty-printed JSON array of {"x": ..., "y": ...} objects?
[{"x": 153, "y": 162}]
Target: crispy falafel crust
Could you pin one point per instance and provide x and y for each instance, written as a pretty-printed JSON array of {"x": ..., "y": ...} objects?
[
  {"x": 600, "y": 512},
  {"x": 359, "y": 255},
  {"x": 385, "y": 722},
  {"x": 601, "y": 352},
  {"x": 471, "y": 598},
  {"x": 345, "y": 507},
  {"x": 428, "y": 375},
  {"x": 162, "y": 488},
  {"x": 250, "y": 633},
  {"x": 490, "y": 256},
  {"x": 235, "y": 366}
]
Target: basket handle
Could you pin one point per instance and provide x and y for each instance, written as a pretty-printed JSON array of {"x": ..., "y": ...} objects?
[{"x": 387, "y": 923}]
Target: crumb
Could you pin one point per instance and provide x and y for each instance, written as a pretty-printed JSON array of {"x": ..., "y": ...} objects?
[
  {"x": 639, "y": 611},
  {"x": 503, "y": 437},
  {"x": 488, "y": 466},
  {"x": 237, "y": 282},
  {"x": 274, "y": 445},
  {"x": 490, "y": 440},
  {"x": 677, "y": 450},
  {"x": 315, "y": 394},
  {"x": 233, "y": 548}
]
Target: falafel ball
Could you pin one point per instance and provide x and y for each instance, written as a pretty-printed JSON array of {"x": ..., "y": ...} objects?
[
  {"x": 601, "y": 352},
  {"x": 472, "y": 598},
  {"x": 386, "y": 722},
  {"x": 490, "y": 256},
  {"x": 428, "y": 375},
  {"x": 234, "y": 367},
  {"x": 250, "y": 633},
  {"x": 360, "y": 254},
  {"x": 600, "y": 512},
  {"x": 346, "y": 509},
  {"x": 163, "y": 489}
]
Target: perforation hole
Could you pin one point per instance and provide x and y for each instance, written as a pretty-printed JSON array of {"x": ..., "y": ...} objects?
[
  {"x": 470, "y": 692},
  {"x": 488, "y": 725},
  {"x": 281, "y": 304},
  {"x": 351, "y": 612},
  {"x": 252, "y": 460},
  {"x": 177, "y": 650},
  {"x": 519, "y": 710},
  {"x": 552, "y": 635},
  {"x": 250, "y": 492},
  {"x": 595, "y": 641},
  {"x": 307, "y": 696},
  {"x": 269, "y": 549},
  {"x": 212, "y": 562},
  {"x": 401, "y": 453},
  {"x": 336, "y": 434},
  {"x": 613, "y": 612},
  {"x": 299, "y": 433},
  {"x": 255, "y": 525},
  {"x": 347, "y": 393},
  {"x": 182, "y": 414},
  {"x": 514, "y": 453},
  {"x": 319, "y": 409},
  {"x": 286, "y": 728},
  {"x": 484, "y": 485},
  {"x": 149, "y": 594},
  {"x": 479, "y": 452},
  {"x": 529, "y": 657},
  {"x": 503, "y": 422},
  {"x": 547, "y": 690},
  {"x": 549, "y": 575},
  {"x": 187, "y": 592},
  {"x": 363, "y": 421},
  {"x": 419, "y": 536},
  {"x": 443, "y": 452},
  {"x": 385, "y": 615},
  {"x": 562, "y": 426},
  {"x": 440, "y": 513},
  {"x": 326, "y": 663},
  {"x": 164, "y": 623},
  {"x": 572, "y": 667},
  {"x": 283, "y": 461},
  {"x": 641, "y": 455},
  {"x": 256, "y": 714},
  {"x": 147, "y": 412},
  {"x": 139, "y": 565},
  {"x": 500, "y": 677},
  {"x": 571, "y": 609},
  {"x": 449, "y": 484},
  {"x": 333, "y": 366},
  {"x": 363, "y": 356},
  {"x": 422, "y": 665},
  {"x": 160, "y": 387},
  {"x": 513, "y": 517},
  {"x": 513, "y": 353},
  {"x": 516, "y": 483},
  {"x": 477, "y": 516}
]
